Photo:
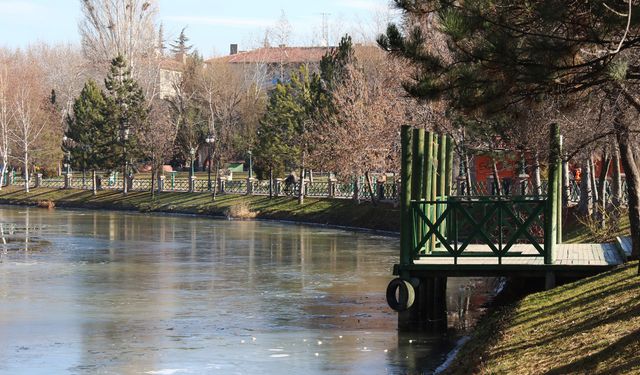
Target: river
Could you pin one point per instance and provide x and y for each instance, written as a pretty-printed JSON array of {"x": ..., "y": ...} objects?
[{"x": 121, "y": 293}]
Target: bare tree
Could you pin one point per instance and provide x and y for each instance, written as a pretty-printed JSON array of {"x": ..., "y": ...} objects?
[
  {"x": 5, "y": 116},
  {"x": 358, "y": 138},
  {"x": 32, "y": 114},
  {"x": 159, "y": 141},
  {"x": 111, "y": 28}
]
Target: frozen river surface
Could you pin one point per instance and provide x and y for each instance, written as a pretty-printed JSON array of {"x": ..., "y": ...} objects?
[{"x": 116, "y": 293}]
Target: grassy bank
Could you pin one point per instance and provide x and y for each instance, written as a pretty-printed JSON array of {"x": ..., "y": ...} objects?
[
  {"x": 588, "y": 327},
  {"x": 320, "y": 211}
]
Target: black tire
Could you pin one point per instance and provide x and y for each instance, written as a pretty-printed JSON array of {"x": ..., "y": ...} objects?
[{"x": 406, "y": 295}]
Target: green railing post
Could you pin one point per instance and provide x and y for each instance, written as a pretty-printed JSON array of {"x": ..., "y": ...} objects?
[
  {"x": 405, "y": 198},
  {"x": 551, "y": 216}
]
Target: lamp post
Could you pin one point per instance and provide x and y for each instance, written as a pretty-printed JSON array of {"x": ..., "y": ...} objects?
[
  {"x": 67, "y": 163},
  {"x": 250, "y": 164},
  {"x": 210, "y": 141},
  {"x": 524, "y": 177},
  {"x": 192, "y": 152}
]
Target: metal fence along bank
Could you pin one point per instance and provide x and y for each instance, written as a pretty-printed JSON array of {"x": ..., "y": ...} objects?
[{"x": 321, "y": 188}]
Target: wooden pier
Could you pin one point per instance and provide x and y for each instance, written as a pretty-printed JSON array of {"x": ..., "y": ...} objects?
[{"x": 460, "y": 236}]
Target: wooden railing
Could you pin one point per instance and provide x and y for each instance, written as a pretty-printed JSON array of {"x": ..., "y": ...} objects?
[{"x": 447, "y": 226}]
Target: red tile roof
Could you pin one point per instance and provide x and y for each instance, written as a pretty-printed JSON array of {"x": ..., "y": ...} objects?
[
  {"x": 272, "y": 55},
  {"x": 171, "y": 64}
]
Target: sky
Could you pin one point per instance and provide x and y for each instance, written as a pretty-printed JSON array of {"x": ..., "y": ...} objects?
[{"x": 212, "y": 25}]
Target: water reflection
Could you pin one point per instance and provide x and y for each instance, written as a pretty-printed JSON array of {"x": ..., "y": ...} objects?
[{"x": 119, "y": 293}]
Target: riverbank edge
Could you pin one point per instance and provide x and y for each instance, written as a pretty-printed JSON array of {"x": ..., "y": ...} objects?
[
  {"x": 382, "y": 218},
  {"x": 572, "y": 328}
]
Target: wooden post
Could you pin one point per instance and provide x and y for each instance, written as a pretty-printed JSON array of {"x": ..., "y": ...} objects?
[
  {"x": 434, "y": 185},
  {"x": 418, "y": 164},
  {"x": 551, "y": 229},
  {"x": 418, "y": 174},
  {"x": 442, "y": 167},
  {"x": 427, "y": 186},
  {"x": 449, "y": 183},
  {"x": 405, "y": 197},
  {"x": 442, "y": 179},
  {"x": 560, "y": 188}
]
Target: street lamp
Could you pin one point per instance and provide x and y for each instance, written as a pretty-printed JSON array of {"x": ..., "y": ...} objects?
[
  {"x": 211, "y": 139},
  {"x": 250, "y": 164},
  {"x": 192, "y": 152},
  {"x": 67, "y": 164},
  {"x": 523, "y": 176}
]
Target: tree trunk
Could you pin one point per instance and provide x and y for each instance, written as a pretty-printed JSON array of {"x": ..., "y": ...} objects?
[
  {"x": 215, "y": 183},
  {"x": 94, "y": 189},
  {"x": 26, "y": 171},
  {"x": 594, "y": 184},
  {"x": 154, "y": 173},
  {"x": 84, "y": 178},
  {"x": 467, "y": 174},
  {"x": 537, "y": 179},
  {"x": 632, "y": 173},
  {"x": 370, "y": 188},
  {"x": 584, "y": 205},
  {"x": 496, "y": 178},
  {"x": 616, "y": 180},
  {"x": 3, "y": 171},
  {"x": 301, "y": 191},
  {"x": 270, "y": 183},
  {"x": 566, "y": 184},
  {"x": 602, "y": 189}
]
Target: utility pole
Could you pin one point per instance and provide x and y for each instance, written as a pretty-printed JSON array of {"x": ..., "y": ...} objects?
[{"x": 325, "y": 29}]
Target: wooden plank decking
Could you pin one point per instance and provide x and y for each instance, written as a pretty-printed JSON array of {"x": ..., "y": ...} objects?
[
  {"x": 566, "y": 254},
  {"x": 570, "y": 260}
]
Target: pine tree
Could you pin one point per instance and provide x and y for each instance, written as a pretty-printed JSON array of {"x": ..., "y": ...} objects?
[
  {"x": 333, "y": 64},
  {"x": 486, "y": 57},
  {"x": 180, "y": 47},
  {"x": 88, "y": 131},
  {"x": 126, "y": 111},
  {"x": 283, "y": 136}
]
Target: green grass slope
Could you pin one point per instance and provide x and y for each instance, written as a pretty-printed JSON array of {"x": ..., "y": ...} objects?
[
  {"x": 338, "y": 212},
  {"x": 588, "y": 327}
]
